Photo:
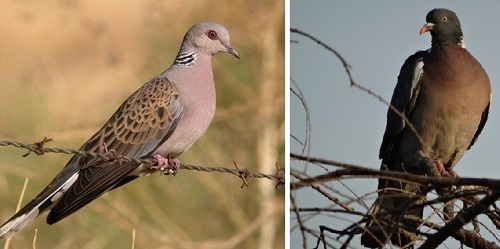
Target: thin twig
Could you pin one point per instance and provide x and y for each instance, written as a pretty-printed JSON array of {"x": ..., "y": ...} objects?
[
  {"x": 353, "y": 83},
  {"x": 359, "y": 171},
  {"x": 19, "y": 202},
  {"x": 306, "y": 146},
  {"x": 133, "y": 238},
  {"x": 458, "y": 222}
]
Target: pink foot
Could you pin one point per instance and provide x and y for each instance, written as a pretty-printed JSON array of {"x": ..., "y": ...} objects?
[
  {"x": 168, "y": 166},
  {"x": 453, "y": 173},
  {"x": 160, "y": 162},
  {"x": 174, "y": 165},
  {"x": 445, "y": 172},
  {"x": 440, "y": 167}
]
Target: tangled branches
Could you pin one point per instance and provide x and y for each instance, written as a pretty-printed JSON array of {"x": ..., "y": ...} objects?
[{"x": 433, "y": 229}]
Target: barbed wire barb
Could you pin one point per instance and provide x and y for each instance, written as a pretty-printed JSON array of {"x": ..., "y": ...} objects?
[{"x": 110, "y": 155}]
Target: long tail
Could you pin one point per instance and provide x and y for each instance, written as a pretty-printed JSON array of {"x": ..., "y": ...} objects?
[
  {"x": 43, "y": 202},
  {"x": 395, "y": 200}
]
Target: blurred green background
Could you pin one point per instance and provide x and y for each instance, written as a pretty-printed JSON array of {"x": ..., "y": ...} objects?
[{"x": 66, "y": 65}]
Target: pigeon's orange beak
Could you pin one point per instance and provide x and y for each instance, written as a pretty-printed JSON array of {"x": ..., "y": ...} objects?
[{"x": 428, "y": 26}]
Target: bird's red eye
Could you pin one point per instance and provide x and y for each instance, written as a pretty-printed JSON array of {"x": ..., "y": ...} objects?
[{"x": 212, "y": 35}]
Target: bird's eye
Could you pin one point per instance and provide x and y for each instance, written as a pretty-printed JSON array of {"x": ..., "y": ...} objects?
[
  {"x": 212, "y": 35},
  {"x": 445, "y": 19}
]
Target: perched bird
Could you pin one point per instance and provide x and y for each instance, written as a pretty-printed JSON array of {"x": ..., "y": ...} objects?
[
  {"x": 160, "y": 120},
  {"x": 445, "y": 95}
]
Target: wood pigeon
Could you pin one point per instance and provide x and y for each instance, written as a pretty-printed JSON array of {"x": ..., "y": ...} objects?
[{"x": 445, "y": 94}]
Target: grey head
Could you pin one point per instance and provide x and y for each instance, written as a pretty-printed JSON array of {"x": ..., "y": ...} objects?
[
  {"x": 209, "y": 38},
  {"x": 444, "y": 26}
]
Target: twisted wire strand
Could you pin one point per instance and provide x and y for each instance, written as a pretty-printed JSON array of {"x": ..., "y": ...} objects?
[{"x": 40, "y": 149}]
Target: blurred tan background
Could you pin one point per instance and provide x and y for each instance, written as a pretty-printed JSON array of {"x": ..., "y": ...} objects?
[{"x": 66, "y": 65}]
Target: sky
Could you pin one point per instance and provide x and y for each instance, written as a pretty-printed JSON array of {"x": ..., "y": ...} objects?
[{"x": 375, "y": 37}]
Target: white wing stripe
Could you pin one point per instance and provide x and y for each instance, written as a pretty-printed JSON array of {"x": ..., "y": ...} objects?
[{"x": 10, "y": 228}]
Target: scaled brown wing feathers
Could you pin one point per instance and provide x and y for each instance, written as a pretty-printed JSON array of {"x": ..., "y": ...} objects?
[{"x": 141, "y": 124}]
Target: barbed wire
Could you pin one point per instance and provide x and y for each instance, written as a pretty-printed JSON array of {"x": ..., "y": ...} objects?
[{"x": 40, "y": 149}]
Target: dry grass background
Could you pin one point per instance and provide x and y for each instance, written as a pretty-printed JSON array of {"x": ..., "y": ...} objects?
[{"x": 66, "y": 65}]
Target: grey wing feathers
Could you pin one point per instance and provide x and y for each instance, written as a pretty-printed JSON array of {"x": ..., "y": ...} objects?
[
  {"x": 403, "y": 99},
  {"x": 484, "y": 118}
]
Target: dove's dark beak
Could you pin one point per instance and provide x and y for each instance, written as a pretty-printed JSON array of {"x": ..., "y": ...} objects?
[{"x": 231, "y": 50}]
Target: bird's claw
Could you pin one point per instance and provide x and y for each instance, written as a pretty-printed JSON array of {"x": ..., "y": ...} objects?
[
  {"x": 167, "y": 166},
  {"x": 173, "y": 166},
  {"x": 445, "y": 172},
  {"x": 160, "y": 162}
]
